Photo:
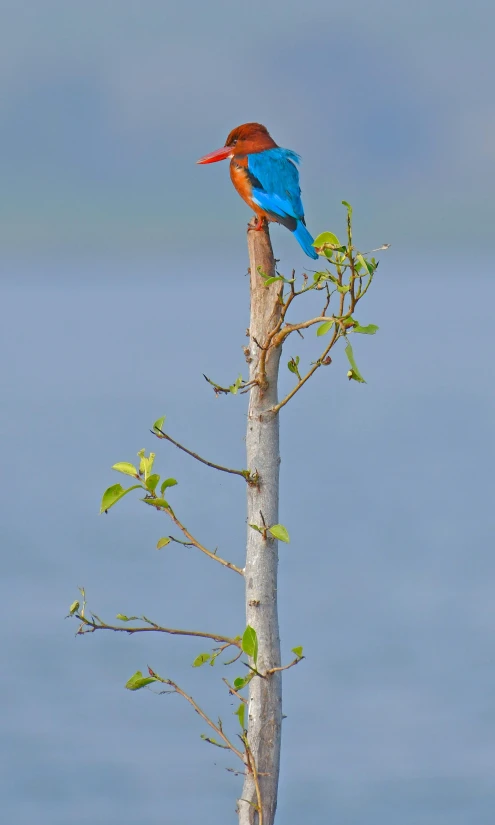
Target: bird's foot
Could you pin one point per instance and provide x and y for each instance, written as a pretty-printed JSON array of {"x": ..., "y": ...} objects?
[{"x": 259, "y": 225}]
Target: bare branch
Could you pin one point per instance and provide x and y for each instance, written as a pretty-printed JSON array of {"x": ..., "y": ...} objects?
[
  {"x": 199, "y": 546},
  {"x": 231, "y": 661},
  {"x": 160, "y": 434},
  {"x": 251, "y": 763},
  {"x": 218, "y": 730},
  {"x": 271, "y": 335},
  {"x": 97, "y": 624},
  {"x": 284, "y": 667}
]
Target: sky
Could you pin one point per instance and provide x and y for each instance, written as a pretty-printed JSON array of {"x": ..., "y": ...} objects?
[{"x": 122, "y": 280}]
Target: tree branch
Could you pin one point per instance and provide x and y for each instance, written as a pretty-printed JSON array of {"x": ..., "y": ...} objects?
[
  {"x": 163, "y": 436},
  {"x": 284, "y": 667},
  {"x": 271, "y": 335},
  {"x": 218, "y": 730},
  {"x": 308, "y": 375},
  {"x": 199, "y": 546},
  {"x": 97, "y": 624},
  {"x": 339, "y": 320},
  {"x": 234, "y": 691},
  {"x": 251, "y": 763}
]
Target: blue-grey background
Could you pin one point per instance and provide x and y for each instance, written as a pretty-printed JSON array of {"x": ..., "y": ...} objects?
[{"x": 122, "y": 280}]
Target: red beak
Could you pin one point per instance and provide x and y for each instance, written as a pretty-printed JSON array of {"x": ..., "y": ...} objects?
[{"x": 218, "y": 154}]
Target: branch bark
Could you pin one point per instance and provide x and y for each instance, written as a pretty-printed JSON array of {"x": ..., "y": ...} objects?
[{"x": 262, "y": 445}]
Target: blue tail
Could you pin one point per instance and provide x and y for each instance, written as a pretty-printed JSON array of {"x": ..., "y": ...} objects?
[{"x": 305, "y": 240}]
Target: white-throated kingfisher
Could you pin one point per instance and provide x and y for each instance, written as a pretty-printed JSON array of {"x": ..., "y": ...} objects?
[{"x": 267, "y": 178}]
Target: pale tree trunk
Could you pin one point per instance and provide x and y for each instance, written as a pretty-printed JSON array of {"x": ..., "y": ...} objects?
[{"x": 262, "y": 444}]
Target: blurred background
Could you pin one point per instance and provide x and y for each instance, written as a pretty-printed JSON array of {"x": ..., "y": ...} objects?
[{"x": 123, "y": 279}]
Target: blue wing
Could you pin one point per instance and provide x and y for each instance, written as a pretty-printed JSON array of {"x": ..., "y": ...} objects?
[{"x": 275, "y": 181}]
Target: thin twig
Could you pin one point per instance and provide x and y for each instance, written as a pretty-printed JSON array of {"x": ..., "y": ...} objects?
[
  {"x": 271, "y": 335},
  {"x": 308, "y": 375},
  {"x": 234, "y": 691},
  {"x": 218, "y": 389},
  {"x": 252, "y": 767},
  {"x": 100, "y": 625},
  {"x": 244, "y": 473},
  {"x": 260, "y": 346},
  {"x": 199, "y": 546},
  {"x": 231, "y": 661},
  {"x": 327, "y": 302},
  {"x": 201, "y": 713},
  {"x": 285, "y": 667},
  {"x": 245, "y": 388}
]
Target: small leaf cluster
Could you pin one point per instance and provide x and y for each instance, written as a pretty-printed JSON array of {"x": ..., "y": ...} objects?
[
  {"x": 346, "y": 279},
  {"x": 277, "y": 531},
  {"x": 148, "y": 482}
]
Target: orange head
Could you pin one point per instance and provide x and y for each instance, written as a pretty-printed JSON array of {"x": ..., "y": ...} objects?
[{"x": 243, "y": 140}]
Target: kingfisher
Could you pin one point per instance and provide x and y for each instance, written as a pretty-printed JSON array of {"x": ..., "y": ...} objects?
[{"x": 266, "y": 177}]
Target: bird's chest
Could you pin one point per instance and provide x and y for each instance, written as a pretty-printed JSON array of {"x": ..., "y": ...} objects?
[{"x": 240, "y": 178}]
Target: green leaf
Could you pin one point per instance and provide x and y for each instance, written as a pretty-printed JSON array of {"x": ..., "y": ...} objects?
[
  {"x": 249, "y": 643},
  {"x": 236, "y": 385},
  {"x": 343, "y": 288},
  {"x": 361, "y": 263},
  {"x": 114, "y": 494},
  {"x": 163, "y": 542},
  {"x": 272, "y": 279},
  {"x": 348, "y": 207},
  {"x": 146, "y": 463},
  {"x": 74, "y": 608},
  {"x": 241, "y": 681},
  {"x": 324, "y": 328},
  {"x": 152, "y": 481},
  {"x": 354, "y": 372},
  {"x": 368, "y": 266},
  {"x": 139, "y": 681},
  {"x": 293, "y": 365},
  {"x": 326, "y": 238},
  {"x": 169, "y": 482},
  {"x": 201, "y": 659},
  {"x": 255, "y": 527},
  {"x": 158, "y": 425},
  {"x": 240, "y": 713},
  {"x": 124, "y": 618},
  {"x": 298, "y": 652},
  {"x": 368, "y": 330},
  {"x": 126, "y": 468},
  {"x": 157, "y": 502},
  {"x": 279, "y": 532}
]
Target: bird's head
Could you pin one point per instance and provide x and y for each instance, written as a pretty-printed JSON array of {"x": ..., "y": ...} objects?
[{"x": 243, "y": 140}]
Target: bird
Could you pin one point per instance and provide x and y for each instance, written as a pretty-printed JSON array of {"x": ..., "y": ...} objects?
[{"x": 266, "y": 177}]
